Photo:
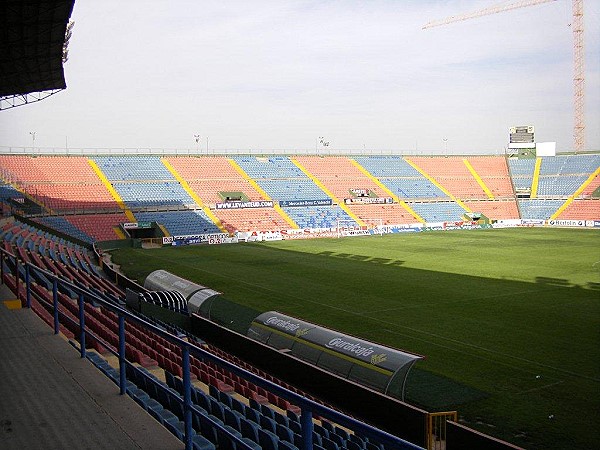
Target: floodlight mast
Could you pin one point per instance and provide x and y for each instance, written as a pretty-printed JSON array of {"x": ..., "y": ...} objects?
[{"x": 578, "y": 55}]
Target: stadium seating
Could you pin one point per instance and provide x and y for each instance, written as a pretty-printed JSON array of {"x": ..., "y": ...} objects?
[
  {"x": 279, "y": 167},
  {"x": 453, "y": 174},
  {"x": 265, "y": 219},
  {"x": 581, "y": 210},
  {"x": 439, "y": 212},
  {"x": 133, "y": 168},
  {"x": 521, "y": 172},
  {"x": 493, "y": 171},
  {"x": 506, "y": 209},
  {"x": 317, "y": 216},
  {"x": 180, "y": 223},
  {"x": 538, "y": 208},
  {"x": 76, "y": 200},
  {"x": 98, "y": 226},
  {"x": 402, "y": 179}
]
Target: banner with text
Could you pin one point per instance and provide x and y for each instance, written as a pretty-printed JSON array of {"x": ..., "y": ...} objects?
[
  {"x": 296, "y": 203},
  {"x": 243, "y": 205},
  {"x": 368, "y": 200}
]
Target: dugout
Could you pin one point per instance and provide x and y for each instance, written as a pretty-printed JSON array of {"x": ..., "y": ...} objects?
[
  {"x": 381, "y": 368},
  {"x": 194, "y": 294}
]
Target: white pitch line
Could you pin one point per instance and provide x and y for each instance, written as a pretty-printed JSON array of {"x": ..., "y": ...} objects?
[{"x": 541, "y": 387}]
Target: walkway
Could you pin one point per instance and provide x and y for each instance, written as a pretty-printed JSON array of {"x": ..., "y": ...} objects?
[{"x": 50, "y": 398}]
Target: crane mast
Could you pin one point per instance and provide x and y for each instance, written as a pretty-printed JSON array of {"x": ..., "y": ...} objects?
[{"x": 578, "y": 77}]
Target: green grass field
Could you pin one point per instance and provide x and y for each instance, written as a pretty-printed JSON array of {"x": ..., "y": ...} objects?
[{"x": 509, "y": 320}]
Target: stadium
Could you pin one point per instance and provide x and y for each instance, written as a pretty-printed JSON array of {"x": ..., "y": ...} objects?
[{"x": 301, "y": 300}]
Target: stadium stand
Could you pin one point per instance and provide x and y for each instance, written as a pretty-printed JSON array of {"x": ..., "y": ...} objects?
[
  {"x": 493, "y": 171},
  {"x": 538, "y": 208},
  {"x": 402, "y": 179},
  {"x": 212, "y": 178},
  {"x": 180, "y": 222},
  {"x": 180, "y": 192},
  {"x": 562, "y": 175},
  {"x": 453, "y": 174},
  {"x": 439, "y": 211},
  {"x": 581, "y": 210},
  {"x": 521, "y": 172},
  {"x": 133, "y": 168},
  {"x": 58, "y": 182},
  {"x": 100, "y": 227},
  {"x": 494, "y": 209}
]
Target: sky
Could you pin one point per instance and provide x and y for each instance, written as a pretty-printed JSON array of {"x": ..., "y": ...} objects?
[{"x": 274, "y": 76}]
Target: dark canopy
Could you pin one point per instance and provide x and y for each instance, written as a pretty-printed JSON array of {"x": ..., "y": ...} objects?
[{"x": 32, "y": 34}]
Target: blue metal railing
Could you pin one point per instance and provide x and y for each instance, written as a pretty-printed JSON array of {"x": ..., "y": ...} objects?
[{"x": 308, "y": 407}]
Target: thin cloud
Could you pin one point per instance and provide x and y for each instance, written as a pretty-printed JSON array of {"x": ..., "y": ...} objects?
[{"x": 274, "y": 75}]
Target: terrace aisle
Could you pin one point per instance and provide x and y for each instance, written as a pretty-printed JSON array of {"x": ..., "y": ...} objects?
[{"x": 51, "y": 398}]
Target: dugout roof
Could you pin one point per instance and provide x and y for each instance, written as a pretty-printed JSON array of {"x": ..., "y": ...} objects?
[
  {"x": 382, "y": 368},
  {"x": 32, "y": 34}
]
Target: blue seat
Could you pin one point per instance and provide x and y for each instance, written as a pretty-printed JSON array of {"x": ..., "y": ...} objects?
[
  {"x": 225, "y": 399},
  {"x": 252, "y": 414},
  {"x": 328, "y": 426},
  {"x": 284, "y": 433},
  {"x": 232, "y": 418},
  {"x": 328, "y": 444},
  {"x": 351, "y": 445},
  {"x": 295, "y": 427},
  {"x": 283, "y": 445},
  {"x": 251, "y": 443},
  {"x": 178, "y": 429},
  {"x": 217, "y": 409},
  {"x": 267, "y": 440},
  {"x": 163, "y": 416},
  {"x": 237, "y": 405},
  {"x": 249, "y": 429},
  {"x": 342, "y": 432},
  {"x": 225, "y": 441},
  {"x": 207, "y": 427},
  {"x": 151, "y": 405},
  {"x": 200, "y": 398},
  {"x": 320, "y": 430},
  {"x": 357, "y": 440},
  {"x": 340, "y": 441},
  {"x": 268, "y": 424},
  {"x": 280, "y": 418},
  {"x": 201, "y": 443},
  {"x": 266, "y": 411}
]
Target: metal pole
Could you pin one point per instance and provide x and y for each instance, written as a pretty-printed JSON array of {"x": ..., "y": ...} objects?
[
  {"x": 55, "y": 303},
  {"x": 81, "y": 326},
  {"x": 27, "y": 286},
  {"x": 17, "y": 277},
  {"x": 307, "y": 429},
  {"x": 122, "y": 380},
  {"x": 187, "y": 397}
]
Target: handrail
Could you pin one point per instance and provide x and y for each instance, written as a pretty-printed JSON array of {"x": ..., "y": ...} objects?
[{"x": 308, "y": 407}]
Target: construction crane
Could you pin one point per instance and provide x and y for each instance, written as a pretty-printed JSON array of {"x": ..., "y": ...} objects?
[{"x": 578, "y": 55}]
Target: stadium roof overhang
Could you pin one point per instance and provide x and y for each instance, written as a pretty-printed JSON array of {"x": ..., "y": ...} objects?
[
  {"x": 32, "y": 35},
  {"x": 381, "y": 368}
]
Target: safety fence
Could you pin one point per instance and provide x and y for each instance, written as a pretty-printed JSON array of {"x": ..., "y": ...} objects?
[{"x": 22, "y": 276}]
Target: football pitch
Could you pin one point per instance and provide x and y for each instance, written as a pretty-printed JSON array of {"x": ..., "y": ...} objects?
[{"x": 508, "y": 320}]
